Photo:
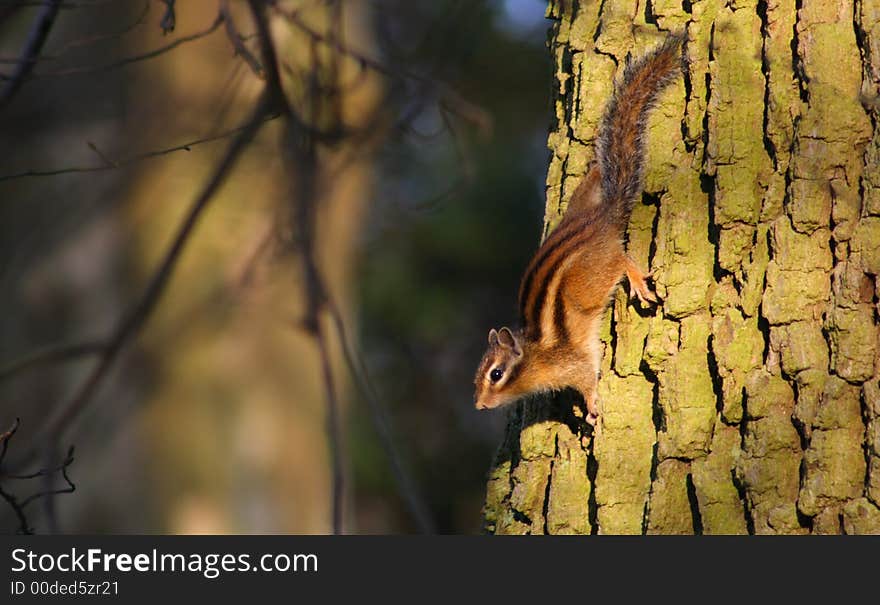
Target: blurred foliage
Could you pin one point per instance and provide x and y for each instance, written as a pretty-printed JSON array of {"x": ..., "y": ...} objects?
[
  {"x": 449, "y": 224},
  {"x": 440, "y": 267}
]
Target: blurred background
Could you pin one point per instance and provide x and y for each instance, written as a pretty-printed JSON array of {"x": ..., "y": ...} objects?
[{"x": 213, "y": 416}]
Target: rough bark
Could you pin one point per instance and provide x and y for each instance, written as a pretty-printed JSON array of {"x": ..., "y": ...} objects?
[{"x": 748, "y": 401}]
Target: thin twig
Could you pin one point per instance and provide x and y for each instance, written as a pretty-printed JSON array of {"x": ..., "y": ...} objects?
[
  {"x": 226, "y": 96},
  {"x": 292, "y": 15},
  {"x": 317, "y": 295},
  {"x": 36, "y": 39},
  {"x": 134, "y": 159},
  {"x": 133, "y": 321},
  {"x": 418, "y": 508},
  {"x": 333, "y": 428},
  {"x": 142, "y": 57},
  {"x": 90, "y": 69},
  {"x": 6, "y": 436},
  {"x": 102, "y": 156},
  {"x": 238, "y": 41},
  {"x": 52, "y": 354},
  {"x": 89, "y": 40},
  {"x": 449, "y": 98},
  {"x": 39, "y": 473},
  {"x": 68, "y": 5},
  {"x": 23, "y": 525},
  {"x": 84, "y": 41},
  {"x": 316, "y": 289},
  {"x": 264, "y": 246},
  {"x": 461, "y": 150},
  {"x": 169, "y": 17},
  {"x": 47, "y": 473},
  {"x": 71, "y": 487},
  {"x": 302, "y": 155}
]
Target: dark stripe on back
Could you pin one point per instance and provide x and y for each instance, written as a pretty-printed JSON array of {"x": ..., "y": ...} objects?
[
  {"x": 533, "y": 323},
  {"x": 558, "y": 238},
  {"x": 533, "y": 298},
  {"x": 559, "y": 316},
  {"x": 567, "y": 235}
]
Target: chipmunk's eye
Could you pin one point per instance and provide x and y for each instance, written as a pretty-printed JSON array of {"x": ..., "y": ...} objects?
[{"x": 496, "y": 374}]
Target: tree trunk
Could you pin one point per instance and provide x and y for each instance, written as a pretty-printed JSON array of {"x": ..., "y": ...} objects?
[{"x": 748, "y": 400}]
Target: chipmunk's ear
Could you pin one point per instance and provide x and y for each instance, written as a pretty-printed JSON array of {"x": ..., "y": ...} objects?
[
  {"x": 493, "y": 336},
  {"x": 507, "y": 340}
]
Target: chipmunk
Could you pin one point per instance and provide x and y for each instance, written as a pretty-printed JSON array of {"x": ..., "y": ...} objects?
[{"x": 571, "y": 279}]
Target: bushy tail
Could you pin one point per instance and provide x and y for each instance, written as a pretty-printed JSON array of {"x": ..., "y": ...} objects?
[{"x": 620, "y": 146}]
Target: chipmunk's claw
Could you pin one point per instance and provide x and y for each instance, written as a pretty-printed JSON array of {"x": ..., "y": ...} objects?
[
  {"x": 643, "y": 292},
  {"x": 638, "y": 284},
  {"x": 592, "y": 416}
]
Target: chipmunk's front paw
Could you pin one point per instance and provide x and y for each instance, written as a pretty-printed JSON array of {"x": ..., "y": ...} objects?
[
  {"x": 643, "y": 291},
  {"x": 638, "y": 284},
  {"x": 592, "y": 416}
]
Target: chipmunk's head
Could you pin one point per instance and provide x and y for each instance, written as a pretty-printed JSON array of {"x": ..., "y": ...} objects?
[{"x": 496, "y": 377}]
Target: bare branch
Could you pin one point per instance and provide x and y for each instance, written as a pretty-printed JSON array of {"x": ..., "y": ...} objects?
[
  {"x": 169, "y": 19},
  {"x": 85, "y": 41},
  {"x": 447, "y": 97},
  {"x": 300, "y": 152},
  {"x": 17, "y": 506},
  {"x": 23, "y": 526},
  {"x": 334, "y": 430},
  {"x": 36, "y": 39},
  {"x": 418, "y": 508},
  {"x": 292, "y": 16},
  {"x": 72, "y": 71},
  {"x": 67, "y": 5},
  {"x": 12, "y": 501},
  {"x": 135, "y": 319},
  {"x": 53, "y": 354},
  {"x": 131, "y": 324},
  {"x": 103, "y": 156},
  {"x": 6, "y": 436},
  {"x": 264, "y": 246},
  {"x": 238, "y": 41},
  {"x": 62, "y": 468},
  {"x": 114, "y": 164}
]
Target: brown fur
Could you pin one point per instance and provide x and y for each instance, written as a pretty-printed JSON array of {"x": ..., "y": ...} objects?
[{"x": 571, "y": 278}]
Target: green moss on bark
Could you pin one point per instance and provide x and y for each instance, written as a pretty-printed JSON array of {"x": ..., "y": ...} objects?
[
  {"x": 624, "y": 453},
  {"x": 670, "y": 507},
  {"x": 749, "y": 400}
]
